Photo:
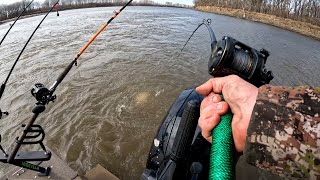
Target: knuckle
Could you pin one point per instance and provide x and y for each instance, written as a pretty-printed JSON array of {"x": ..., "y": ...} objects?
[
  {"x": 234, "y": 77},
  {"x": 213, "y": 82}
]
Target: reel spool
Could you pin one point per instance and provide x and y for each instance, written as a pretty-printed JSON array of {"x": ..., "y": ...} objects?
[{"x": 230, "y": 56}]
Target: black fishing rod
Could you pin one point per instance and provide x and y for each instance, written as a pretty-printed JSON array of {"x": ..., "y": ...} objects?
[
  {"x": 228, "y": 56},
  {"x": 24, "y": 9},
  {"x": 3, "y": 85},
  {"x": 43, "y": 96}
]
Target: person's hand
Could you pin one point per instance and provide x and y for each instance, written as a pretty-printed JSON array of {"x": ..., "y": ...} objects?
[{"x": 238, "y": 94}]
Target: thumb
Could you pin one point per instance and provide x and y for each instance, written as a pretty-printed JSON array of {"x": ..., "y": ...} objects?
[{"x": 212, "y": 85}]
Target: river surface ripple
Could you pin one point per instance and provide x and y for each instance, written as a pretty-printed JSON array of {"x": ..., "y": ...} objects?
[{"x": 109, "y": 107}]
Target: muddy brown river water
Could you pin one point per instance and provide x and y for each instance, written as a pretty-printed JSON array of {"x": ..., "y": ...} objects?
[{"x": 109, "y": 107}]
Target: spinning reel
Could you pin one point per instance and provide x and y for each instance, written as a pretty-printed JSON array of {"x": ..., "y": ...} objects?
[
  {"x": 230, "y": 56},
  {"x": 179, "y": 151}
]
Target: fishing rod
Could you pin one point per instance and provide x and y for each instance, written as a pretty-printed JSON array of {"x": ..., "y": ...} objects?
[
  {"x": 24, "y": 9},
  {"x": 230, "y": 56},
  {"x": 74, "y": 62},
  {"x": 3, "y": 85},
  {"x": 101, "y": 29},
  {"x": 213, "y": 38},
  {"x": 169, "y": 156},
  {"x": 43, "y": 96}
]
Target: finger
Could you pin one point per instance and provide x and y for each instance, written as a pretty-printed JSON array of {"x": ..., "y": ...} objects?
[
  {"x": 212, "y": 85},
  {"x": 214, "y": 98},
  {"x": 207, "y": 125},
  {"x": 220, "y": 108},
  {"x": 211, "y": 98},
  {"x": 209, "y": 139}
]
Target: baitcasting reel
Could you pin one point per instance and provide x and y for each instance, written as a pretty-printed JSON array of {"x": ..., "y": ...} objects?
[
  {"x": 1, "y": 113},
  {"x": 230, "y": 56},
  {"x": 42, "y": 94}
]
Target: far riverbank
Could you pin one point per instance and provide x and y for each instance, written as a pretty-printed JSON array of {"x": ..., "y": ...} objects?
[
  {"x": 90, "y": 5},
  {"x": 303, "y": 28}
]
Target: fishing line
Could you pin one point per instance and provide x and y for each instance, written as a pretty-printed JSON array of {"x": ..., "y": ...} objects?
[
  {"x": 3, "y": 85},
  {"x": 207, "y": 23},
  {"x": 24, "y": 9},
  {"x": 26, "y": 44},
  {"x": 213, "y": 42}
]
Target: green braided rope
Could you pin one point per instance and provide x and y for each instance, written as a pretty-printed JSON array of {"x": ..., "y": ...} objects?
[{"x": 222, "y": 150}]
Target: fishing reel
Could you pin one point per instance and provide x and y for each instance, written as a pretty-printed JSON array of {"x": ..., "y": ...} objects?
[
  {"x": 42, "y": 94},
  {"x": 5, "y": 113},
  {"x": 230, "y": 56}
]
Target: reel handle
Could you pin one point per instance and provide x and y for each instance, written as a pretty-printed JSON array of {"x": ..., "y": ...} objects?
[{"x": 3, "y": 112}]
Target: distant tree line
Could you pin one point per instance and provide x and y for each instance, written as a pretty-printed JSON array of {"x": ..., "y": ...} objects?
[
  {"x": 302, "y": 10},
  {"x": 13, "y": 10}
]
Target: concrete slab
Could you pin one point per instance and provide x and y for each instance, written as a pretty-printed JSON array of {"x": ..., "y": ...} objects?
[{"x": 100, "y": 173}]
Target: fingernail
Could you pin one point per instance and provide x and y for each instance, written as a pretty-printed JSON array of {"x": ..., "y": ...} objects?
[
  {"x": 214, "y": 98},
  {"x": 219, "y": 106}
]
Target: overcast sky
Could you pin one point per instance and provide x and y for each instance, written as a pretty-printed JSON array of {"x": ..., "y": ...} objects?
[{"x": 189, "y": 2}]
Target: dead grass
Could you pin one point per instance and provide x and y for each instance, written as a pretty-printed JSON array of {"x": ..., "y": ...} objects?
[{"x": 303, "y": 28}]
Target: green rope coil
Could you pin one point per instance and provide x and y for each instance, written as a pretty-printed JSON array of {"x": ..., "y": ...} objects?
[{"x": 222, "y": 150}]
